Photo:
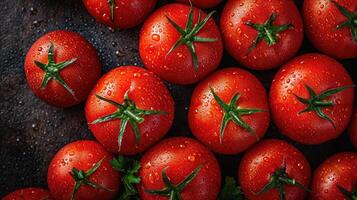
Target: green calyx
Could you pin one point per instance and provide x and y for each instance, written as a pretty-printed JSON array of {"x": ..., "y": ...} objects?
[
  {"x": 53, "y": 69},
  {"x": 128, "y": 113},
  {"x": 174, "y": 191},
  {"x": 189, "y": 34},
  {"x": 234, "y": 113},
  {"x": 267, "y": 31},
  {"x": 112, "y": 6},
  {"x": 316, "y": 101},
  {"x": 349, "y": 195},
  {"x": 129, "y": 169},
  {"x": 82, "y": 178},
  {"x": 278, "y": 179},
  {"x": 231, "y": 191},
  {"x": 351, "y": 21}
]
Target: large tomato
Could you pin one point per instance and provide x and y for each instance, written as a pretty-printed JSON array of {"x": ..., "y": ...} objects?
[
  {"x": 179, "y": 167},
  {"x": 122, "y": 14},
  {"x": 180, "y": 46},
  {"x": 229, "y": 111},
  {"x": 29, "y": 194},
  {"x": 202, "y": 3},
  {"x": 352, "y": 131},
  {"x": 331, "y": 26},
  {"x": 336, "y": 178},
  {"x": 272, "y": 170},
  {"x": 81, "y": 170},
  {"x": 57, "y": 72},
  {"x": 261, "y": 34},
  {"x": 311, "y": 99},
  {"x": 129, "y": 110}
]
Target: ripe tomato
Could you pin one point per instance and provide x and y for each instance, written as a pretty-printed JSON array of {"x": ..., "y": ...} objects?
[
  {"x": 229, "y": 111},
  {"x": 122, "y": 14},
  {"x": 273, "y": 169},
  {"x": 336, "y": 178},
  {"x": 202, "y": 3},
  {"x": 29, "y": 194},
  {"x": 352, "y": 131},
  {"x": 311, "y": 99},
  {"x": 129, "y": 110},
  {"x": 57, "y": 72},
  {"x": 82, "y": 170},
  {"x": 179, "y": 167},
  {"x": 180, "y": 46},
  {"x": 331, "y": 26},
  {"x": 261, "y": 34}
]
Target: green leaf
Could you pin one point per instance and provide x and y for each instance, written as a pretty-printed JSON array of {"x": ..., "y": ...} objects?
[{"x": 231, "y": 191}]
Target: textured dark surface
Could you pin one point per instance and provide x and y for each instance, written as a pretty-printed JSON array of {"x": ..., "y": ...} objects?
[{"x": 31, "y": 132}]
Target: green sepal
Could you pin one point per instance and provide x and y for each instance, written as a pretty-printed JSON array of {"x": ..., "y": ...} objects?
[
  {"x": 351, "y": 21},
  {"x": 349, "y": 195},
  {"x": 231, "y": 191},
  {"x": 111, "y": 6}
]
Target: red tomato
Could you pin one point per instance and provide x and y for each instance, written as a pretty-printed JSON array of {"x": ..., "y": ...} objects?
[
  {"x": 29, "y": 194},
  {"x": 187, "y": 165},
  {"x": 335, "y": 178},
  {"x": 129, "y": 110},
  {"x": 318, "y": 115},
  {"x": 271, "y": 168},
  {"x": 185, "y": 57},
  {"x": 324, "y": 21},
  {"x": 122, "y": 14},
  {"x": 352, "y": 131},
  {"x": 261, "y": 34},
  {"x": 57, "y": 72},
  {"x": 79, "y": 164},
  {"x": 233, "y": 127},
  {"x": 202, "y": 3}
]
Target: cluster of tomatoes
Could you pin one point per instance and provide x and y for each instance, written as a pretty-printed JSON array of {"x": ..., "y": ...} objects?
[{"x": 129, "y": 109}]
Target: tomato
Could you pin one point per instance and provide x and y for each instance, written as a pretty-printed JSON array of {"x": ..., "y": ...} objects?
[
  {"x": 179, "y": 167},
  {"x": 336, "y": 178},
  {"x": 261, "y": 34},
  {"x": 331, "y": 26},
  {"x": 229, "y": 111},
  {"x": 202, "y": 3},
  {"x": 271, "y": 168},
  {"x": 352, "y": 131},
  {"x": 129, "y": 110},
  {"x": 82, "y": 170},
  {"x": 57, "y": 72},
  {"x": 178, "y": 45},
  {"x": 122, "y": 14},
  {"x": 29, "y": 194},
  {"x": 311, "y": 99}
]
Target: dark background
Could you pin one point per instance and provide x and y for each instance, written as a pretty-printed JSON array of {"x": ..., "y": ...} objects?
[{"x": 31, "y": 132}]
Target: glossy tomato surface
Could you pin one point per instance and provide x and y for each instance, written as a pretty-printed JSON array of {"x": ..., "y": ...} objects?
[
  {"x": 352, "y": 131},
  {"x": 206, "y": 115},
  {"x": 126, "y": 13},
  {"x": 29, "y": 194},
  {"x": 202, "y": 3},
  {"x": 321, "y": 19},
  {"x": 180, "y": 157},
  {"x": 158, "y": 36},
  {"x": 337, "y": 171},
  {"x": 147, "y": 92},
  {"x": 262, "y": 160},
  {"x": 239, "y": 37},
  {"x": 80, "y": 76},
  {"x": 320, "y": 73},
  {"x": 82, "y": 155}
]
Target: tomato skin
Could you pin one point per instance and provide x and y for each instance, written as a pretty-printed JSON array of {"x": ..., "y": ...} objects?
[
  {"x": 82, "y": 155},
  {"x": 321, "y": 73},
  {"x": 202, "y": 3},
  {"x": 29, "y": 194},
  {"x": 157, "y": 36},
  {"x": 205, "y": 115},
  {"x": 80, "y": 76},
  {"x": 135, "y": 12},
  {"x": 265, "y": 158},
  {"x": 321, "y": 18},
  {"x": 352, "y": 131},
  {"x": 180, "y": 156},
  {"x": 148, "y": 93},
  {"x": 238, "y": 37},
  {"x": 340, "y": 169}
]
